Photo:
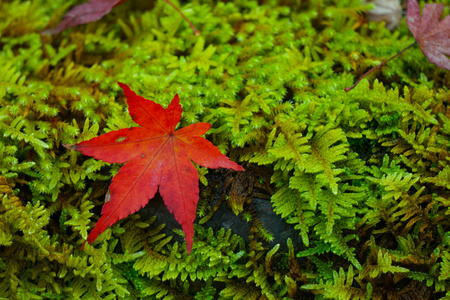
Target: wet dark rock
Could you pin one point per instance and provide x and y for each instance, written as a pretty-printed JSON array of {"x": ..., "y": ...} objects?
[{"x": 224, "y": 217}]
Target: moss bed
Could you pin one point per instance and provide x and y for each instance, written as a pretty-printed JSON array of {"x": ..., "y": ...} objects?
[{"x": 345, "y": 195}]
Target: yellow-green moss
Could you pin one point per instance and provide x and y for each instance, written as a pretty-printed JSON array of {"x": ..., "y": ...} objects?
[{"x": 363, "y": 176}]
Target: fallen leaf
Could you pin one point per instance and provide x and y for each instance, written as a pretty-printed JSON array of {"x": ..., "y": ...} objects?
[
  {"x": 94, "y": 10},
  {"x": 90, "y": 11},
  {"x": 388, "y": 11},
  {"x": 432, "y": 35},
  {"x": 156, "y": 156}
]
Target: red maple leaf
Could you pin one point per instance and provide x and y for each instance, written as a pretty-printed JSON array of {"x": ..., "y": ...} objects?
[
  {"x": 432, "y": 35},
  {"x": 156, "y": 156}
]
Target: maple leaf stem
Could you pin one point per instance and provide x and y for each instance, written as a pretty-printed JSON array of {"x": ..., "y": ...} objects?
[
  {"x": 347, "y": 89},
  {"x": 196, "y": 32}
]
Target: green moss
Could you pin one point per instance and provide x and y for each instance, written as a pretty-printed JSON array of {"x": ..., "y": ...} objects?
[{"x": 359, "y": 181}]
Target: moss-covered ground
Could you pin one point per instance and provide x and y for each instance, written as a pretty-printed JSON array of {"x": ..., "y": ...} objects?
[{"x": 345, "y": 195}]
